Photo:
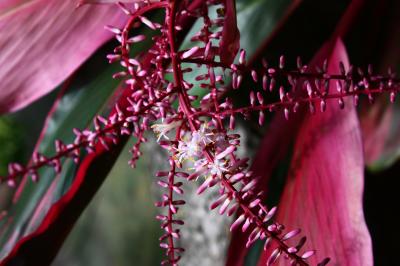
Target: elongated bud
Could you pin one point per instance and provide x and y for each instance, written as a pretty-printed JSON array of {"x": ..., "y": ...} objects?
[
  {"x": 254, "y": 75},
  {"x": 147, "y": 22},
  {"x": 190, "y": 52},
  {"x": 232, "y": 122},
  {"x": 308, "y": 254},
  {"x": 260, "y": 98},
  {"x": 281, "y": 93},
  {"x": 272, "y": 84},
  {"x": 252, "y": 98},
  {"x": 242, "y": 57},
  {"x": 237, "y": 222},
  {"x": 261, "y": 118},
  {"x": 323, "y": 105},
  {"x": 286, "y": 113},
  {"x": 392, "y": 96},
  {"x": 113, "y": 29},
  {"x": 274, "y": 256},
  {"x": 281, "y": 62},
  {"x": 265, "y": 82},
  {"x": 291, "y": 234}
]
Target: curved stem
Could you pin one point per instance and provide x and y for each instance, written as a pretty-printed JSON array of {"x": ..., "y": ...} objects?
[{"x": 175, "y": 62}]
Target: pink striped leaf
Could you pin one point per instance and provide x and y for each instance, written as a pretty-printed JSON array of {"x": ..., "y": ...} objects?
[{"x": 43, "y": 41}]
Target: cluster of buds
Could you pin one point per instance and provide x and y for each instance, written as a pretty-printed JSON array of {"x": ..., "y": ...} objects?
[
  {"x": 210, "y": 156},
  {"x": 304, "y": 86},
  {"x": 168, "y": 222}
]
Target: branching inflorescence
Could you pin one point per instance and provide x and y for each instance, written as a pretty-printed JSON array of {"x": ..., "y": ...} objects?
[{"x": 199, "y": 137}]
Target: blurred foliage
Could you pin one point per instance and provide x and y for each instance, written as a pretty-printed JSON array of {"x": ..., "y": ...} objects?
[
  {"x": 10, "y": 139},
  {"x": 118, "y": 227},
  {"x": 16, "y": 143},
  {"x": 11, "y": 150}
]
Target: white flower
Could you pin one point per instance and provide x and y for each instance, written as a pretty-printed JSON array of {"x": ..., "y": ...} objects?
[
  {"x": 204, "y": 135},
  {"x": 188, "y": 150},
  {"x": 217, "y": 167},
  {"x": 192, "y": 145},
  {"x": 210, "y": 169},
  {"x": 162, "y": 129}
]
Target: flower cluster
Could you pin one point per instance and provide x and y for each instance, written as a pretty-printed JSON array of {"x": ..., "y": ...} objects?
[{"x": 210, "y": 156}]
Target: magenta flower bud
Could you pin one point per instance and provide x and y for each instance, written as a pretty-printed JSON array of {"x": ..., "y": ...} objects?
[
  {"x": 246, "y": 225},
  {"x": 237, "y": 222},
  {"x": 113, "y": 29},
  {"x": 291, "y": 234},
  {"x": 190, "y": 52},
  {"x": 252, "y": 98},
  {"x": 308, "y": 254}
]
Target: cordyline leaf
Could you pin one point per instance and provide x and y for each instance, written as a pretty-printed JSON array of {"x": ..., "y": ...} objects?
[
  {"x": 323, "y": 192},
  {"x": 11, "y": 5},
  {"x": 43, "y": 41}
]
